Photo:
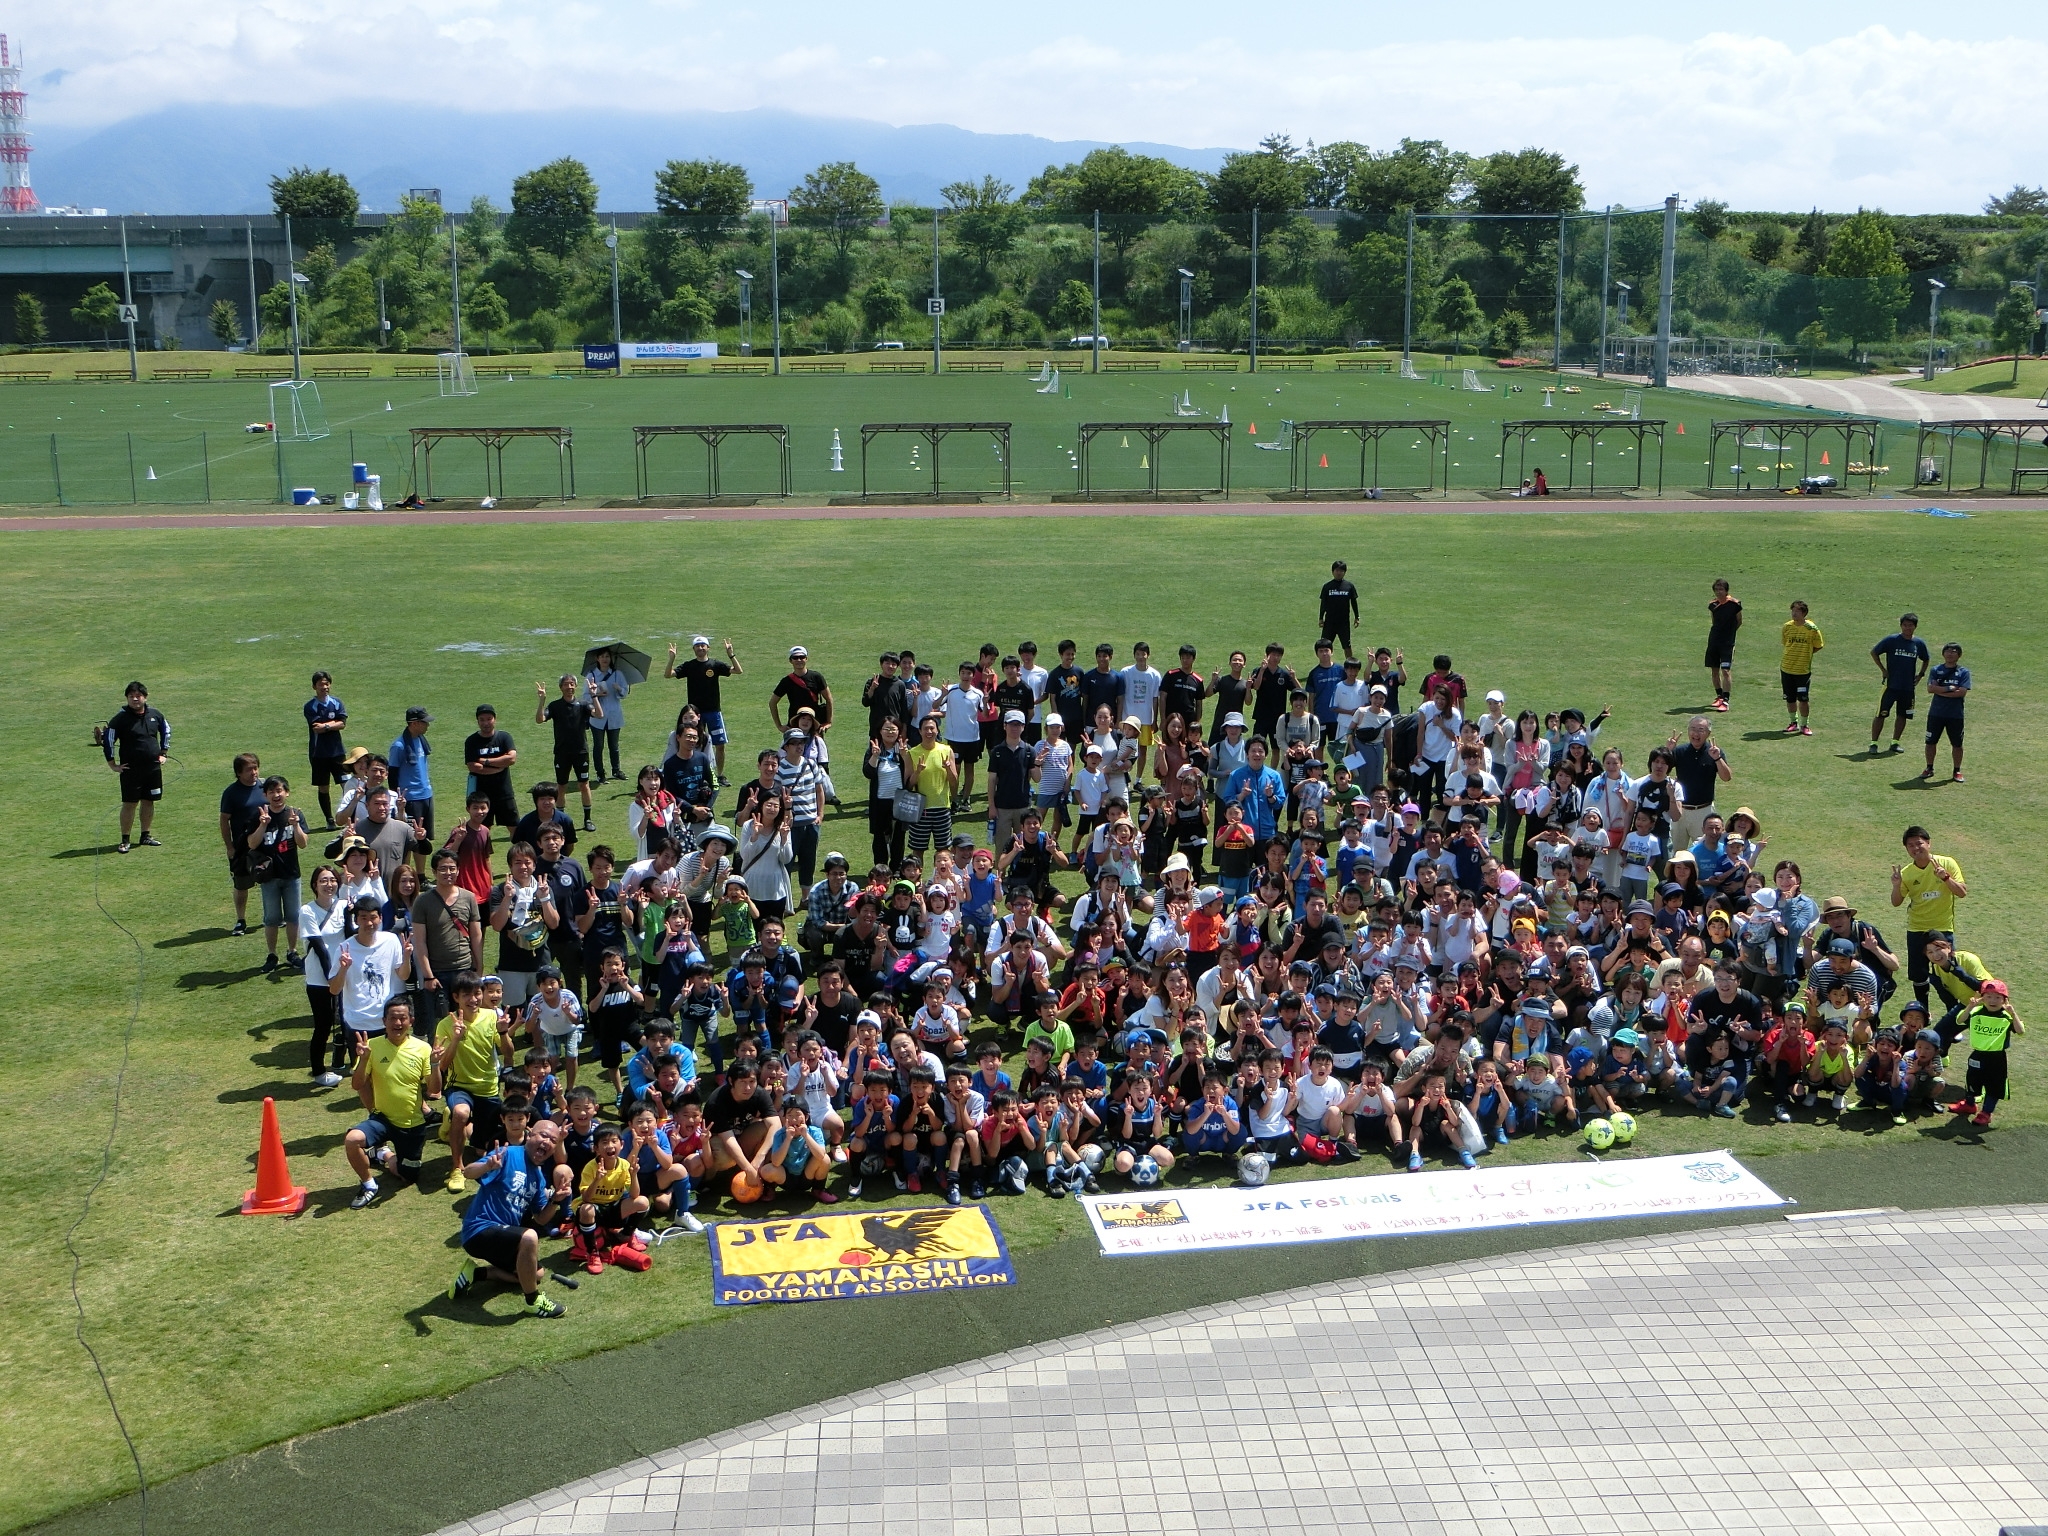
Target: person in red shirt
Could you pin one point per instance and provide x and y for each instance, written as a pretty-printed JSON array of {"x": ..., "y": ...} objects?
[
  {"x": 1441, "y": 676},
  {"x": 472, "y": 845}
]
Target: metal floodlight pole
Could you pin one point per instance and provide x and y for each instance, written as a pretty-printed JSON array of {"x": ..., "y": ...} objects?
[
  {"x": 746, "y": 311},
  {"x": 775, "y": 289},
  {"x": 1606, "y": 268},
  {"x": 938, "y": 309},
  {"x": 1252, "y": 334},
  {"x": 128, "y": 303},
  {"x": 1934, "y": 288},
  {"x": 255, "y": 314},
  {"x": 1187, "y": 309},
  {"x": 1666, "y": 281},
  {"x": 454, "y": 291},
  {"x": 291, "y": 283},
  {"x": 611, "y": 242},
  {"x": 1557, "y": 339},
  {"x": 1408, "y": 303},
  {"x": 1095, "y": 323},
  {"x": 383, "y": 321}
]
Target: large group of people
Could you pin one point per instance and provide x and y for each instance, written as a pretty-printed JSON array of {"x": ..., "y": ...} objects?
[{"x": 1221, "y": 920}]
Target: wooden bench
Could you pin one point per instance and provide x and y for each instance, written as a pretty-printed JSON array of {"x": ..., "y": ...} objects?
[
  {"x": 1209, "y": 365},
  {"x": 904, "y": 367},
  {"x": 101, "y": 375},
  {"x": 182, "y": 373},
  {"x": 510, "y": 370},
  {"x": 824, "y": 367},
  {"x": 977, "y": 365},
  {"x": 1362, "y": 365},
  {"x": 748, "y": 367},
  {"x": 1130, "y": 365},
  {"x": 362, "y": 372},
  {"x": 25, "y": 376},
  {"x": 415, "y": 370},
  {"x": 1287, "y": 365},
  {"x": 267, "y": 371},
  {"x": 661, "y": 368}
]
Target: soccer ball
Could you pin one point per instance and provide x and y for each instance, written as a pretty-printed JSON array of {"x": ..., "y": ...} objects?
[
  {"x": 1253, "y": 1169},
  {"x": 1091, "y": 1158},
  {"x": 1600, "y": 1134},
  {"x": 1624, "y": 1128},
  {"x": 873, "y": 1166},
  {"x": 1145, "y": 1170},
  {"x": 746, "y": 1189}
]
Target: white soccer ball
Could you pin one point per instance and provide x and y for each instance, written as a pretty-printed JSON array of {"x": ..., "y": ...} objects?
[
  {"x": 1145, "y": 1171},
  {"x": 1253, "y": 1169}
]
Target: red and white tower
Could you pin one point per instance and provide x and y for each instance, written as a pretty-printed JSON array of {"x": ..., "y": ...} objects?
[{"x": 15, "y": 194}]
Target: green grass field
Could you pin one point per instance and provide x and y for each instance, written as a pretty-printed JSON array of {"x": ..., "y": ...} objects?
[
  {"x": 221, "y": 1334},
  {"x": 1991, "y": 379},
  {"x": 100, "y": 444}
]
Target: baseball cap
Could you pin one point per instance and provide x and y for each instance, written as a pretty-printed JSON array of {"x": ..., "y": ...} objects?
[
  {"x": 835, "y": 858},
  {"x": 797, "y": 650},
  {"x": 1091, "y": 750},
  {"x": 485, "y": 709},
  {"x": 1055, "y": 719},
  {"x": 1995, "y": 988},
  {"x": 793, "y": 735},
  {"x": 1013, "y": 717},
  {"x": 1627, "y": 1037},
  {"x": 1495, "y": 696},
  {"x": 1410, "y": 808},
  {"x": 1841, "y": 947},
  {"x": 417, "y": 713},
  {"x": 1929, "y": 1036},
  {"x": 868, "y": 1016},
  {"x": 1914, "y": 1005},
  {"x": 700, "y": 639}
]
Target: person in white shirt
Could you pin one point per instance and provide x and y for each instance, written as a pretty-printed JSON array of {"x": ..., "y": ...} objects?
[
  {"x": 1436, "y": 743},
  {"x": 370, "y": 968},
  {"x": 1034, "y": 678},
  {"x": 1052, "y": 771},
  {"x": 1141, "y": 693},
  {"x": 961, "y": 706}
]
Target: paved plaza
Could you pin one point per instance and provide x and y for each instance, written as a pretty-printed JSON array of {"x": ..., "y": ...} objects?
[{"x": 1875, "y": 1374}]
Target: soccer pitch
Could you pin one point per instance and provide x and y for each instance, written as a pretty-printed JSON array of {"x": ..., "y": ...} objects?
[
  {"x": 221, "y": 1334},
  {"x": 112, "y": 445}
]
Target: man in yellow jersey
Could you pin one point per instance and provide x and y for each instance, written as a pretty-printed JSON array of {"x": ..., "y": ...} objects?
[
  {"x": 1795, "y": 668},
  {"x": 1928, "y": 885},
  {"x": 471, "y": 1045},
  {"x": 1955, "y": 978},
  {"x": 392, "y": 1072}
]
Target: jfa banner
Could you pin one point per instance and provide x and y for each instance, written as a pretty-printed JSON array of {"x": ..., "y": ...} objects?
[
  {"x": 1399, "y": 1205},
  {"x": 826, "y": 1258}
]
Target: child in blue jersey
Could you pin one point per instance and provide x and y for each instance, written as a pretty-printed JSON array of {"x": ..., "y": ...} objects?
[
  {"x": 869, "y": 1124},
  {"x": 1619, "y": 1075},
  {"x": 1075, "y": 1128},
  {"x": 1714, "y": 1086},
  {"x": 796, "y": 1158},
  {"x": 1492, "y": 1104},
  {"x": 1139, "y": 1130},
  {"x": 1213, "y": 1127},
  {"x": 500, "y": 1226}
]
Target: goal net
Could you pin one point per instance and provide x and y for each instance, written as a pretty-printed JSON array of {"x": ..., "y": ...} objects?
[
  {"x": 296, "y": 412},
  {"x": 457, "y": 375},
  {"x": 1472, "y": 383}
]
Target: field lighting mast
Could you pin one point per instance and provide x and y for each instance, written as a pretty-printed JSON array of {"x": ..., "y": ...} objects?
[{"x": 15, "y": 193}]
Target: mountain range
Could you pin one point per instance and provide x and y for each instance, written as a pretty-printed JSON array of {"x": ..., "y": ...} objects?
[{"x": 219, "y": 159}]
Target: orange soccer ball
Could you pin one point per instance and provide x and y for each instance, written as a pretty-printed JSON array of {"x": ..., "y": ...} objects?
[{"x": 746, "y": 1189}]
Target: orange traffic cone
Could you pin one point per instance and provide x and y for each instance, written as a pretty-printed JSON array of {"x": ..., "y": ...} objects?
[
  {"x": 1823, "y": 455},
  {"x": 1325, "y": 464},
  {"x": 1681, "y": 429},
  {"x": 274, "y": 1194},
  {"x": 1255, "y": 429}
]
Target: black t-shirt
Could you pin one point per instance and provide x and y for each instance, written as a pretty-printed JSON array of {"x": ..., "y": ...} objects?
[
  {"x": 242, "y": 804},
  {"x": 139, "y": 739},
  {"x": 1743, "y": 1009},
  {"x": 479, "y": 748},
  {"x": 1033, "y": 864},
  {"x": 1696, "y": 772},
  {"x": 513, "y": 955},
  {"x": 700, "y": 683},
  {"x": 1097, "y": 689},
  {"x": 1229, "y": 694},
  {"x": 1180, "y": 693},
  {"x": 1724, "y": 619},
  {"x": 1338, "y": 600},
  {"x": 1063, "y": 687},
  {"x": 726, "y": 1111},
  {"x": 1391, "y": 681},
  {"x": 805, "y": 689},
  {"x": 528, "y": 830},
  {"x": 833, "y": 1023},
  {"x": 607, "y": 927},
  {"x": 1017, "y": 695},
  {"x": 279, "y": 840},
  {"x": 856, "y": 954},
  {"x": 570, "y": 720},
  {"x": 570, "y": 883},
  {"x": 1009, "y": 768},
  {"x": 886, "y": 699},
  {"x": 1273, "y": 690}
]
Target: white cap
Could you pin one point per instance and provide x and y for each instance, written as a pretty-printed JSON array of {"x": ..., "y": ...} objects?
[
  {"x": 796, "y": 651},
  {"x": 700, "y": 640},
  {"x": 1233, "y": 718},
  {"x": 1495, "y": 696},
  {"x": 1013, "y": 717},
  {"x": 1054, "y": 720},
  {"x": 1379, "y": 688},
  {"x": 868, "y": 1016}
]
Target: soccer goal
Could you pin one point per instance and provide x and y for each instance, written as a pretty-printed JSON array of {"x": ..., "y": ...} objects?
[
  {"x": 1051, "y": 385},
  {"x": 456, "y": 374},
  {"x": 1281, "y": 441},
  {"x": 1408, "y": 371},
  {"x": 1472, "y": 383},
  {"x": 296, "y": 414}
]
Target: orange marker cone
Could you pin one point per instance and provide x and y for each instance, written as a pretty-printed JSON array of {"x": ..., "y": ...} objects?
[
  {"x": 1823, "y": 455},
  {"x": 1681, "y": 429},
  {"x": 1325, "y": 464},
  {"x": 1255, "y": 429},
  {"x": 274, "y": 1194}
]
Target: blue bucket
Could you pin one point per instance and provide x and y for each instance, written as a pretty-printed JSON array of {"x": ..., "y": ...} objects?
[{"x": 362, "y": 473}]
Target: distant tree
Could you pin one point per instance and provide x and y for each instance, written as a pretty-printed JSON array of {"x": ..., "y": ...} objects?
[
  {"x": 1326, "y": 172},
  {"x": 840, "y": 199},
  {"x": 31, "y": 328},
  {"x": 1421, "y": 175},
  {"x": 543, "y": 328},
  {"x": 486, "y": 310},
  {"x": 1510, "y": 330},
  {"x": 703, "y": 199},
  {"x": 683, "y": 314},
  {"x": 1863, "y": 280},
  {"x": 276, "y": 308},
  {"x": 97, "y": 309},
  {"x": 225, "y": 321},
  {"x": 1457, "y": 311},
  {"x": 1523, "y": 181},
  {"x": 1073, "y": 308},
  {"x": 317, "y": 265},
  {"x": 1378, "y": 283},
  {"x": 838, "y": 328},
  {"x": 1127, "y": 190},
  {"x": 322, "y": 205},
  {"x": 478, "y": 231},
  {"x": 2022, "y": 201},
  {"x": 351, "y": 308},
  {"x": 1767, "y": 241},
  {"x": 554, "y": 208},
  {"x": 1709, "y": 218},
  {"x": 2013, "y": 325},
  {"x": 1811, "y": 243},
  {"x": 1269, "y": 181},
  {"x": 985, "y": 219},
  {"x": 884, "y": 308}
]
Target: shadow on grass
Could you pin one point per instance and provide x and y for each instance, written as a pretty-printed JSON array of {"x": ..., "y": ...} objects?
[
  {"x": 196, "y": 936},
  {"x": 308, "y": 1146},
  {"x": 198, "y": 981},
  {"x": 289, "y": 1091},
  {"x": 86, "y": 853}
]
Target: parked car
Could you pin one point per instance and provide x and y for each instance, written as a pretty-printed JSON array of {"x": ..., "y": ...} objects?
[
  {"x": 1088, "y": 342},
  {"x": 888, "y": 346}
]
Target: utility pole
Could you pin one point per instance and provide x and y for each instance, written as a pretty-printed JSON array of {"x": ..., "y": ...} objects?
[
  {"x": 383, "y": 323},
  {"x": 1252, "y": 336},
  {"x": 1557, "y": 342},
  {"x": 291, "y": 283},
  {"x": 1660, "y": 367},
  {"x": 775, "y": 290},
  {"x": 454, "y": 290},
  {"x": 1408, "y": 304},
  {"x": 255, "y": 313},
  {"x": 1095, "y": 325},
  {"x": 938, "y": 309},
  {"x": 1606, "y": 267},
  {"x": 618, "y": 334},
  {"x": 128, "y": 304}
]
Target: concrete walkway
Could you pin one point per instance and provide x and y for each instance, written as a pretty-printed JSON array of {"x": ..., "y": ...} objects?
[
  {"x": 1864, "y": 397},
  {"x": 1869, "y": 1374}
]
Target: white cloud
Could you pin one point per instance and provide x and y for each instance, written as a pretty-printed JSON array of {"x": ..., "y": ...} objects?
[{"x": 1898, "y": 119}]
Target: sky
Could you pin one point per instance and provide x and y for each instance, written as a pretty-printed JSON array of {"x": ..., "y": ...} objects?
[{"x": 1908, "y": 107}]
